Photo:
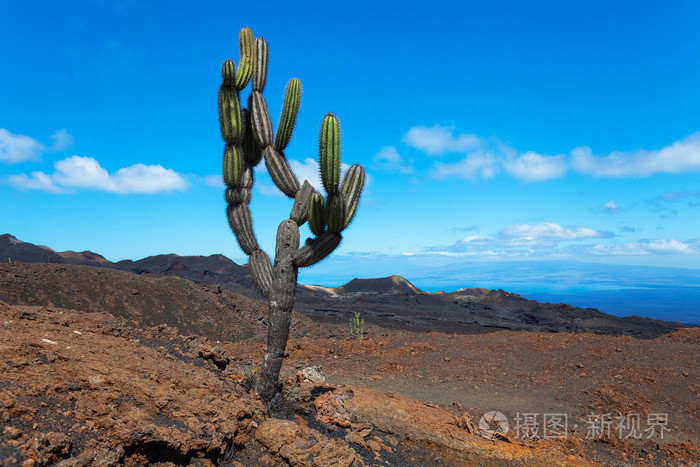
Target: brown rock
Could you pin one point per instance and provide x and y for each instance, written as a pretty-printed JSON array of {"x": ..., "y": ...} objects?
[
  {"x": 416, "y": 421},
  {"x": 52, "y": 447},
  {"x": 13, "y": 433},
  {"x": 465, "y": 422},
  {"x": 298, "y": 445},
  {"x": 330, "y": 409}
]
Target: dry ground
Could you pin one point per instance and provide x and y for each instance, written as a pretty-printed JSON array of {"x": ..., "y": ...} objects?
[{"x": 81, "y": 386}]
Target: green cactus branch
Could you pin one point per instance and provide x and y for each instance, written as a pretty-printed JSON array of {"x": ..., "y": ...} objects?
[
  {"x": 292, "y": 98},
  {"x": 330, "y": 153},
  {"x": 249, "y": 137}
]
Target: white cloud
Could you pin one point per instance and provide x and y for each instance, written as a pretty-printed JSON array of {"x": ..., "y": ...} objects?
[
  {"x": 21, "y": 148},
  {"x": 307, "y": 170},
  {"x": 517, "y": 240},
  {"x": 462, "y": 254},
  {"x": 81, "y": 172},
  {"x": 437, "y": 140},
  {"x": 551, "y": 240},
  {"x": 644, "y": 247},
  {"x": 35, "y": 181},
  {"x": 476, "y": 239},
  {"x": 533, "y": 167},
  {"x": 78, "y": 172},
  {"x": 485, "y": 157},
  {"x": 389, "y": 159},
  {"x": 546, "y": 233},
  {"x": 141, "y": 178},
  {"x": 62, "y": 140},
  {"x": 611, "y": 206},
  {"x": 672, "y": 246},
  {"x": 18, "y": 148},
  {"x": 679, "y": 157},
  {"x": 475, "y": 165}
]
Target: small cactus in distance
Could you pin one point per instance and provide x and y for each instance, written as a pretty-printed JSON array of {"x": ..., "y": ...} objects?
[
  {"x": 357, "y": 326},
  {"x": 249, "y": 138}
]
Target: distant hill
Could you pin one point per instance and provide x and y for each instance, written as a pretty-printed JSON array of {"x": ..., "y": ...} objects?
[
  {"x": 13, "y": 249},
  {"x": 383, "y": 285},
  {"x": 390, "y": 302},
  {"x": 206, "y": 269},
  {"x": 196, "y": 268},
  {"x": 151, "y": 299},
  {"x": 83, "y": 257}
]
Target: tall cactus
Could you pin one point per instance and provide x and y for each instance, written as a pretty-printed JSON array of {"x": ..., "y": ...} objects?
[{"x": 249, "y": 137}]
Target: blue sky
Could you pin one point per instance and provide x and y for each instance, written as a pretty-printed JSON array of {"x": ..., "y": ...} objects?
[{"x": 490, "y": 131}]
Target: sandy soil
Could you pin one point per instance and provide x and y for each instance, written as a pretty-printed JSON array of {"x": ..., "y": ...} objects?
[{"x": 581, "y": 375}]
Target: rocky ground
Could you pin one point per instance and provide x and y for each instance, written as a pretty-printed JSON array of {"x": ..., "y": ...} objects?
[{"x": 102, "y": 367}]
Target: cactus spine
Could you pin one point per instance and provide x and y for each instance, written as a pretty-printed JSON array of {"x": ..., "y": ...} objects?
[{"x": 249, "y": 137}]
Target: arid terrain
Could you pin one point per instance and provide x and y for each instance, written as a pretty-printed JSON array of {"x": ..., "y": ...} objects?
[{"x": 150, "y": 363}]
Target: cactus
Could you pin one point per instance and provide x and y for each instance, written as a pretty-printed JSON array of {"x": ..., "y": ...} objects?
[
  {"x": 357, "y": 326},
  {"x": 249, "y": 137},
  {"x": 330, "y": 153},
  {"x": 292, "y": 97},
  {"x": 317, "y": 214}
]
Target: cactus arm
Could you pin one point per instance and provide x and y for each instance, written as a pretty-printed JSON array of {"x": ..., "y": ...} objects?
[
  {"x": 260, "y": 71},
  {"x": 233, "y": 165},
  {"x": 317, "y": 214},
  {"x": 335, "y": 213},
  {"x": 237, "y": 196},
  {"x": 351, "y": 189},
  {"x": 248, "y": 56},
  {"x": 316, "y": 249},
  {"x": 251, "y": 150},
  {"x": 275, "y": 161},
  {"x": 240, "y": 193},
  {"x": 262, "y": 125},
  {"x": 242, "y": 225},
  {"x": 280, "y": 172},
  {"x": 261, "y": 272},
  {"x": 228, "y": 72},
  {"x": 230, "y": 120},
  {"x": 290, "y": 108},
  {"x": 329, "y": 142},
  {"x": 247, "y": 176},
  {"x": 302, "y": 200}
]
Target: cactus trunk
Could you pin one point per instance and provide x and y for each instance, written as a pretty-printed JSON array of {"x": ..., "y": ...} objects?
[
  {"x": 279, "y": 322},
  {"x": 281, "y": 303}
]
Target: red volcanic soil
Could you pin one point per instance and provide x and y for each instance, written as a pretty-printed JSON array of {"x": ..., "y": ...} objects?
[{"x": 83, "y": 386}]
